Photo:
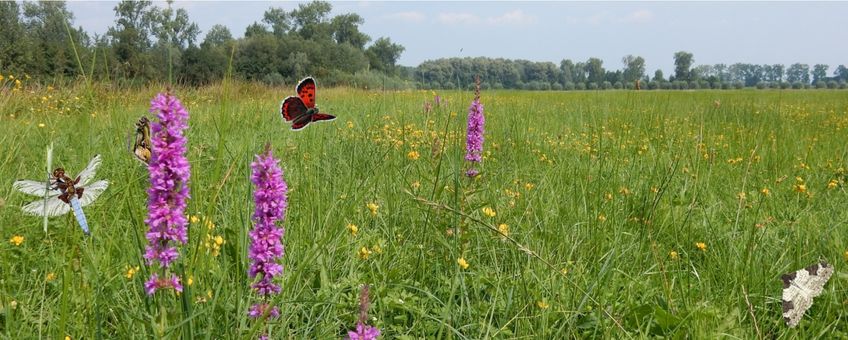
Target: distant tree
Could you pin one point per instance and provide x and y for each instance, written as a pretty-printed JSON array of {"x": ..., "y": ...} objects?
[
  {"x": 383, "y": 55},
  {"x": 841, "y": 73},
  {"x": 819, "y": 72},
  {"x": 218, "y": 35},
  {"x": 634, "y": 68},
  {"x": 47, "y": 26},
  {"x": 798, "y": 73},
  {"x": 255, "y": 29},
  {"x": 658, "y": 76},
  {"x": 131, "y": 37},
  {"x": 595, "y": 71},
  {"x": 682, "y": 63},
  {"x": 279, "y": 21},
  {"x": 567, "y": 68},
  {"x": 346, "y": 30},
  {"x": 14, "y": 49}
]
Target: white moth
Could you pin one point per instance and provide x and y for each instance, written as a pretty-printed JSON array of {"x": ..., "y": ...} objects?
[{"x": 799, "y": 289}]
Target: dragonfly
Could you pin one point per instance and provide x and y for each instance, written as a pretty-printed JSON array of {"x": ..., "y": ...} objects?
[{"x": 62, "y": 194}]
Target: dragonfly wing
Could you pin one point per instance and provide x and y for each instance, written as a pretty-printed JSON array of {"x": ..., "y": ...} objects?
[
  {"x": 55, "y": 207},
  {"x": 35, "y": 188},
  {"x": 88, "y": 174},
  {"x": 92, "y": 191}
]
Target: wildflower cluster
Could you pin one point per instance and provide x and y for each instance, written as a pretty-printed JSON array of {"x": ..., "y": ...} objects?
[{"x": 168, "y": 192}]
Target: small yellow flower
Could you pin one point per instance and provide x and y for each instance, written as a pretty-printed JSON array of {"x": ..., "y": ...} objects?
[
  {"x": 564, "y": 271},
  {"x": 529, "y": 186},
  {"x": 41, "y": 125},
  {"x": 50, "y": 276},
  {"x": 364, "y": 253},
  {"x": 190, "y": 280},
  {"x": 602, "y": 218},
  {"x": 624, "y": 191},
  {"x": 14, "y": 303},
  {"x": 11, "y": 77},
  {"x": 352, "y": 228},
  {"x": 131, "y": 272},
  {"x": 741, "y": 195},
  {"x": 832, "y": 184},
  {"x": 413, "y": 155},
  {"x": 765, "y": 192},
  {"x": 608, "y": 196},
  {"x": 800, "y": 188},
  {"x": 16, "y": 240},
  {"x": 846, "y": 255},
  {"x": 542, "y": 304},
  {"x": 377, "y": 249},
  {"x": 349, "y": 125},
  {"x": 462, "y": 263},
  {"x": 416, "y": 185},
  {"x": 489, "y": 212},
  {"x": 373, "y": 207},
  {"x": 194, "y": 219},
  {"x": 219, "y": 240},
  {"x": 701, "y": 246},
  {"x": 673, "y": 255},
  {"x": 67, "y": 337},
  {"x": 503, "y": 228},
  {"x": 1, "y": 77}
]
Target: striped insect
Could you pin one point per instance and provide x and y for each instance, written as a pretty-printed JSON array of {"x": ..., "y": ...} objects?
[{"x": 62, "y": 194}]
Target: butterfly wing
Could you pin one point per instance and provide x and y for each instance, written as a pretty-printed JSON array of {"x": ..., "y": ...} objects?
[
  {"x": 92, "y": 191},
  {"x": 141, "y": 148},
  {"x": 54, "y": 207},
  {"x": 306, "y": 91},
  {"x": 88, "y": 173},
  {"x": 322, "y": 117},
  {"x": 293, "y": 108},
  {"x": 799, "y": 289},
  {"x": 301, "y": 122},
  {"x": 35, "y": 188}
]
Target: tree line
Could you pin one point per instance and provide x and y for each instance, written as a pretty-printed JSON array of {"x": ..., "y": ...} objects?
[{"x": 149, "y": 43}]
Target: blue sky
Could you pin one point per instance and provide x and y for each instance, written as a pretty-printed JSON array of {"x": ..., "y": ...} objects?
[{"x": 715, "y": 32}]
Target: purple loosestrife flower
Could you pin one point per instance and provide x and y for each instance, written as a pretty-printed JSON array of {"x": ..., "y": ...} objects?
[
  {"x": 266, "y": 247},
  {"x": 363, "y": 331},
  {"x": 474, "y": 133},
  {"x": 168, "y": 192}
]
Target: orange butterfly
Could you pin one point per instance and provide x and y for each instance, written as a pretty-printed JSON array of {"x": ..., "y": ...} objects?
[{"x": 300, "y": 109}]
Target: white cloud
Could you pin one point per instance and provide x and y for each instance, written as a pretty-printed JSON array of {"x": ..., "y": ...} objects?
[
  {"x": 641, "y": 16},
  {"x": 415, "y": 17},
  {"x": 458, "y": 18},
  {"x": 516, "y": 17}
]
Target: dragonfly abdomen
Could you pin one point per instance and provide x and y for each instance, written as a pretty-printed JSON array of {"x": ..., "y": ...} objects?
[{"x": 77, "y": 208}]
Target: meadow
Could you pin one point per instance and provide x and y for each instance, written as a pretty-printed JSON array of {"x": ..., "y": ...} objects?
[{"x": 608, "y": 214}]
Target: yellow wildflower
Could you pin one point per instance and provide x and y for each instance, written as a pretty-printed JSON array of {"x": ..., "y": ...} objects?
[
  {"x": 503, "y": 228},
  {"x": 542, "y": 304},
  {"x": 190, "y": 280},
  {"x": 624, "y": 191},
  {"x": 377, "y": 249},
  {"x": 800, "y": 188},
  {"x": 50, "y": 276},
  {"x": 602, "y": 218},
  {"x": 416, "y": 185},
  {"x": 364, "y": 253},
  {"x": 701, "y": 246},
  {"x": 349, "y": 125},
  {"x": 832, "y": 184},
  {"x": 529, "y": 186},
  {"x": 16, "y": 240},
  {"x": 741, "y": 195},
  {"x": 765, "y": 192},
  {"x": 489, "y": 212},
  {"x": 373, "y": 207},
  {"x": 608, "y": 196},
  {"x": 846, "y": 255},
  {"x": 673, "y": 255},
  {"x": 352, "y": 228},
  {"x": 67, "y": 337},
  {"x": 131, "y": 272},
  {"x": 413, "y": 155},
  {"x": 194, "y": 219},
  {"x": 462, "y": 263},
  {"x": 41, "y": 125}
]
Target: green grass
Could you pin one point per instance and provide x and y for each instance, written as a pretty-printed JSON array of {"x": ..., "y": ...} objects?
[{"x": 597, "y": 188}]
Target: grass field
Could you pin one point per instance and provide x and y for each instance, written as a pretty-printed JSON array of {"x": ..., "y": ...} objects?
[{"x": 630, "y": 214}]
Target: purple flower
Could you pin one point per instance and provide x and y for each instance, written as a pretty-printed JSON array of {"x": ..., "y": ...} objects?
[
  {"x": 258, "y": 310},
  {"x": 168, "y": 192},
  {"x": 266, "y": 247},
  {"x": 474, "y": 134},
  {"x": 438, "y": 100},
  {"x": 172, "y": 282},
  {"x": 472, "y": 173},
  {"x": 363, "y": 332}
]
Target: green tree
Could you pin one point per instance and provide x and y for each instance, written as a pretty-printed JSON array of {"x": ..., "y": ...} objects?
[
  {"x": 658, "y": 76},
  {"x": 819, "y": 72},
  {"x": 634, "y": 68},
  {"x": 383, "y": 55},
  {"x": 346, "y": 30},
  {"x": 682, "y": 63},
  {"x": 131, "y": 37},
  {"x": 798, "y": 73},
  {"x": 595, "y": 70},
  {"x": 14, "y": 49}
]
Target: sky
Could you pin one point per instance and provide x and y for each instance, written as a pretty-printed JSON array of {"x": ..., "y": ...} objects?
[{"x": 715, "y": 32}]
